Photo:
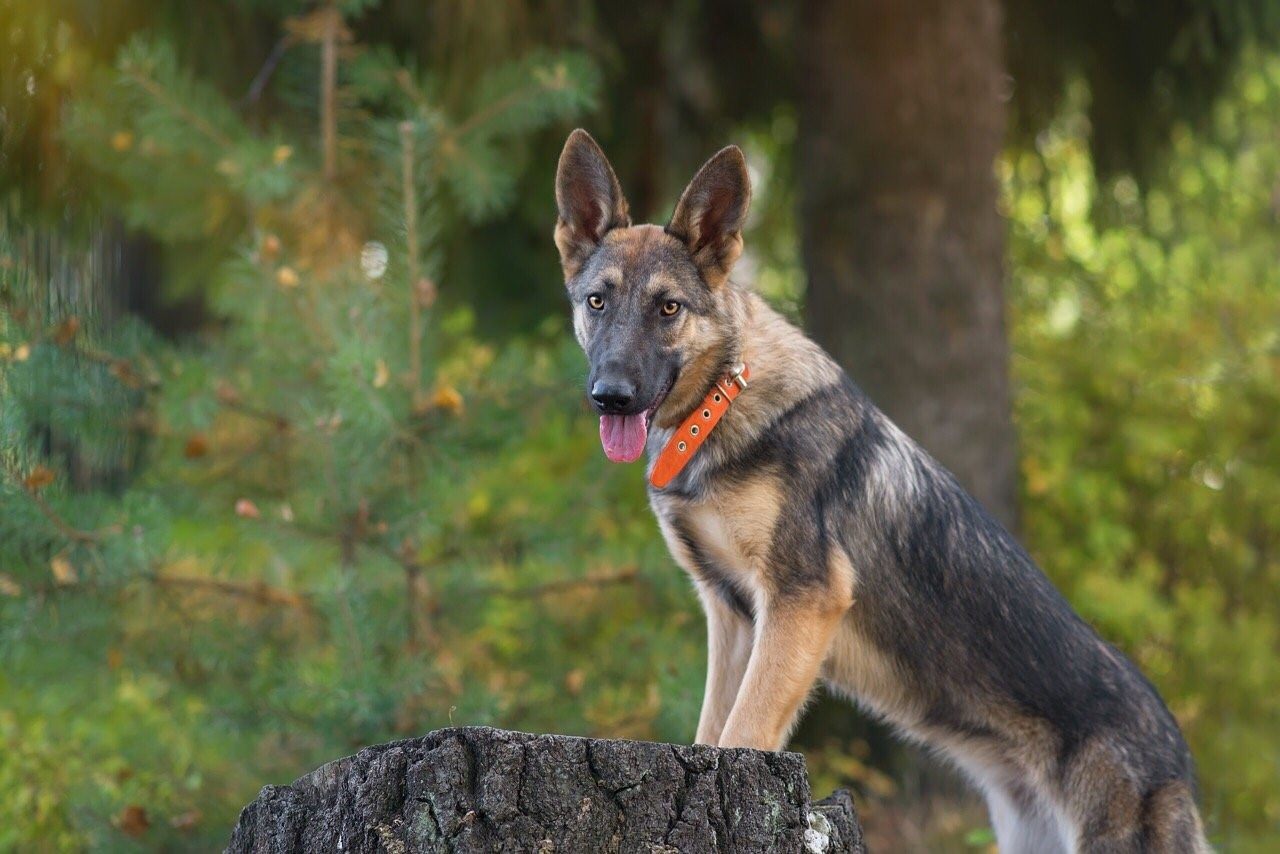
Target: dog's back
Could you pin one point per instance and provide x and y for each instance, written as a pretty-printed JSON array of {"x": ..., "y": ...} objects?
[{"x": 993, "y": 668}]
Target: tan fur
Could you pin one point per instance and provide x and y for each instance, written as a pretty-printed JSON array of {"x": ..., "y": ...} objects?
[
  {"x": 856, "y": 669},
  {"x": 720, "y": 193},
  {"x": 793, "y": 632},
  {"x": 729, "y": 640},
  {"x": 777, "y": 620},
  {"x": 785, "y": 367},
  {"x": 736, "y": 525},
  {"x": 790, "y": 645}
]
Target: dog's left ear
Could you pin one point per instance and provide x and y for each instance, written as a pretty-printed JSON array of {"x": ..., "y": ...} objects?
[{"x": 710, "y": 215}]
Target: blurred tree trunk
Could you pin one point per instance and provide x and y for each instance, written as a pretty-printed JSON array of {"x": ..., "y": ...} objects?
[{"x": 902, "y": 114}]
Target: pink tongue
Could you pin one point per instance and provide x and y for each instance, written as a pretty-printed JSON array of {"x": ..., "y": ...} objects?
[{"x": 623, "y": 436}]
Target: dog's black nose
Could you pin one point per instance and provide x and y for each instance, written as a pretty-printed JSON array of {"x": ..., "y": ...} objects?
[{"x": 612, "y": 396}]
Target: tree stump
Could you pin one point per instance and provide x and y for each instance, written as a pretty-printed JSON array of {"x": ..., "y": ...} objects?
[{"x": 477, "y": 789}]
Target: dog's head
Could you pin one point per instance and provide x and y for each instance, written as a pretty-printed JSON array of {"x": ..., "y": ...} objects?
[{"x": 649, "y": 303}]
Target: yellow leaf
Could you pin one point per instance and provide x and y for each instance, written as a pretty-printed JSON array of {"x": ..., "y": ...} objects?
[
  {"x": 270, "y": 246},
  {"x": 122, "y": 370},
  {"x": 286, "y": 277},
  {"x": 66, "y": 331},
  {"x": 64, "y": 574},
  {"x": 424, "y": 291},
  {"x": 227, "y": 393},
  {"x": 281, "y": 154},
  {"x": 39, "y": 478},
  {"x": 122, "y": 140},
  {"x": 9, "y": 587},
  {"x": 22, "y": 352},
  {"x": 197, "y": 446},
  {"x": 448, "y": 398},
  {"x": 133, "y": 820},
  {"x": 380, "y": 374}
]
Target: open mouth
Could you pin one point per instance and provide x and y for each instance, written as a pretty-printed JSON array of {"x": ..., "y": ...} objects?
[{"x": 623, "y": 436}]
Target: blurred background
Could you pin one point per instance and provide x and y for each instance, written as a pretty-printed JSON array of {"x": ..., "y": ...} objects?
[{"x": 293, "y": 452}]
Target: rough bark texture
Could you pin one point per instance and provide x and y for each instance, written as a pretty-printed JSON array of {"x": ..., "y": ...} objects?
[
  {"x": 902, "y": 115},
  {"x": 476, "y": 789}
]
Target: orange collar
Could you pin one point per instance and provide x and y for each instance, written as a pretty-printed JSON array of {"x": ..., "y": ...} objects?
[{"x": 695, "y": 429}]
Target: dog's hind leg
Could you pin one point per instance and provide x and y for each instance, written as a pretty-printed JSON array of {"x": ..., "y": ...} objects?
[
  {"x": 1119, "y": 811},
  {"x": 1171, "y": 822},
  {"x": 728, "y": 650},
  {"x": 1165, "y": 819}
]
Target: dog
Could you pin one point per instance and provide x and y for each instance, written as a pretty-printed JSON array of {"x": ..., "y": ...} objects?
[{"x": 825, "y": 544}]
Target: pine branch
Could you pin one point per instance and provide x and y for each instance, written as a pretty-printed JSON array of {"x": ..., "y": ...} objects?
[
  {"x": 256, "y": 591},
  {"x": 417, "y": 594},
  {"x": 66, "y": 335},
  {"x": 263, "y": 77},
  {"x": 64, "y": 527},
  {"x": 192, "y": 118},
  {"x": 523, "y": 96},
  {"x": 275, "y": 419},
  {"x": 332, "y": 22},
  {"x": 606, "y": 579},
  {"x": 411, "y": 241},
  {"x": 507, "y": 102},
  {"x": 481, "y": 116},
  {"x": 119, "y": 367}
]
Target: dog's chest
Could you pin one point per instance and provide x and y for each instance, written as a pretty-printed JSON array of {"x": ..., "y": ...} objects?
[{"x": 730, "y": 532}]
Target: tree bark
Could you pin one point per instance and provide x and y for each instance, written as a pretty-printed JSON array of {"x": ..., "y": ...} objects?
[
  {"x": 902, "y": 115},
  {"x": 477, "y": 789}
]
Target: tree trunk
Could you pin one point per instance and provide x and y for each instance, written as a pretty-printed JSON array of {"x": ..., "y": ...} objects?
[
  {"x": 902, "y": 114},
  {"x": 480, "y": 789}
]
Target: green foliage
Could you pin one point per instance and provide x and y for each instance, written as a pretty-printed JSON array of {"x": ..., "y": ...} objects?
[
  {"x": 324, "y": 546},
  {"x": 225, "y": 560},
  {"x": 1149, "y": 73},
  {"x": 1147, "y": 359}
]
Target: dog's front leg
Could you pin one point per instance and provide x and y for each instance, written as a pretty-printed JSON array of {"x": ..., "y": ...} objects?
[
  {"x": 728, "y": 649},
  {"x": 791, "y": 641}
]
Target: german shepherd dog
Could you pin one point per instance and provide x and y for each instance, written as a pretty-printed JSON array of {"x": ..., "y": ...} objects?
[{"x": 825, "y": 544}]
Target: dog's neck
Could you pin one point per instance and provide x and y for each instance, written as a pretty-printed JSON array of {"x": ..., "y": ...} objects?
[{"x": 786, "y": 367}]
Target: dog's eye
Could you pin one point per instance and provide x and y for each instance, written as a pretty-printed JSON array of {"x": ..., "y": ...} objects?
[
  {"x": 670, "y": 307},
  {"x": 596, "y": 302}
]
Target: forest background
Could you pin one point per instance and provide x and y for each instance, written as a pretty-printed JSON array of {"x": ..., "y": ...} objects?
[{"x": 293, "y": 450}]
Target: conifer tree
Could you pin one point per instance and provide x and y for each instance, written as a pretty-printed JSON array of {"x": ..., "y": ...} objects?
[{"x": 295, "y": 526}]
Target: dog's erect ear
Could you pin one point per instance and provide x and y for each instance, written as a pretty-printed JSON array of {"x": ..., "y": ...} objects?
[
  {"x": 710, "y": 215},
  {"x": 589, "y": 200}
]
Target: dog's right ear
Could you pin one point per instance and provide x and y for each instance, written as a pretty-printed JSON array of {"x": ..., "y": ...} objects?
[{"x": 589, "y": 200}]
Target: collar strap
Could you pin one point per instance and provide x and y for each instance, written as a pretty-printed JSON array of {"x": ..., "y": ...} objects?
[{"x": 695, "y": 429}]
